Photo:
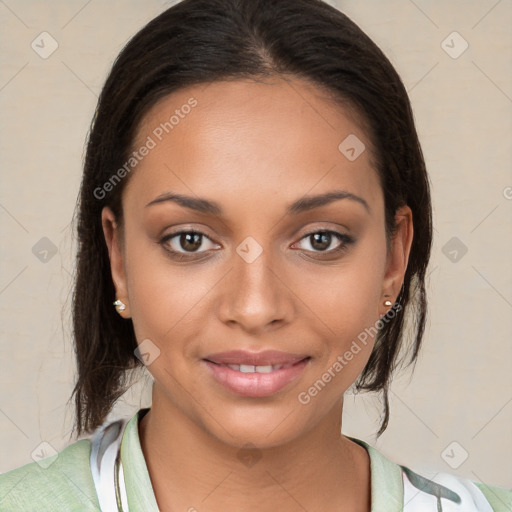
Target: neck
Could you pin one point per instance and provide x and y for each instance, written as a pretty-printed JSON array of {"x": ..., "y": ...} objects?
[{"x": 192, "y": 470}]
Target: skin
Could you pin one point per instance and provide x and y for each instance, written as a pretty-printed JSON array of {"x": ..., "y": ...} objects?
[{"x": 254, "y": 148}]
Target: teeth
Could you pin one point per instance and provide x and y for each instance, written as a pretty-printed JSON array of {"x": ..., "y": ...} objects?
[
  {"x": 263, "y": 369},
  {"x": 249, "y": 368}
]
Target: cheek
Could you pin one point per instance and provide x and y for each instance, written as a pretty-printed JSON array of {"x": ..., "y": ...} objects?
[
  {"x": 163, "y": 297},
  {"x": 348, "y": 298},
  {"x": 349, "y": 304}
]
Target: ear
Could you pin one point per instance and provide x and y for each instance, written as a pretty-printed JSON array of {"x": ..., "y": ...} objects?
[
  {"x": 398, "y": 255},
  {"x": 114, "y": 241}
]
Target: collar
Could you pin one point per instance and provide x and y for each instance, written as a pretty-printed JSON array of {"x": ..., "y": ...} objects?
[
  {"x": 386, "y": 481},
  {"x": 139, "y": 489},
  {"x": 386, "y": 476}
]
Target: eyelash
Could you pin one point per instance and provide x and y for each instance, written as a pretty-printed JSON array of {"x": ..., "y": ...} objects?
[{"x": 342, "y": 237}]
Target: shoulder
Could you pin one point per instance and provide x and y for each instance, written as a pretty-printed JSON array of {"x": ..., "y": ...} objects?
[
  {"x": 499, "y": 498},
  {"x": 396, "y": 488},
  {"x": 449, "y": 492},
  {"x": 60, "y": 482}
]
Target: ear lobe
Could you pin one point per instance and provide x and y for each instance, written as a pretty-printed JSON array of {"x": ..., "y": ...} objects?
[
  {"x": 113, "y": 239},
  {"x": 398, "y": 253}
]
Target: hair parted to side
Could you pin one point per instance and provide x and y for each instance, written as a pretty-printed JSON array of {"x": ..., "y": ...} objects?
[{"x": 201, "y": 41}]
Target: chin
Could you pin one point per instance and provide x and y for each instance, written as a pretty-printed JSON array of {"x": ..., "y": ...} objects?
[{"x": 259, "y": 427}]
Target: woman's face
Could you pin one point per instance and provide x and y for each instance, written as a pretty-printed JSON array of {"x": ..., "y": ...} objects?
[{"x": 270, "y": 268}]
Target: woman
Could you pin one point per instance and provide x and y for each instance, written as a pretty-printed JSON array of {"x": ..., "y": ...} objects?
[{"x": 254, "y": 228}]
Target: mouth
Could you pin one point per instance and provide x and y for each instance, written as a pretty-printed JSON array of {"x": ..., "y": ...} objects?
[
  {"x": 249, "y": 368},
  {"x": 256, "y": 380}
]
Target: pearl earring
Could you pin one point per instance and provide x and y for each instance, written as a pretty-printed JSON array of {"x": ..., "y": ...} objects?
[
  {"x": 120, "y": 306},
  {"x": 388, "y": 303}
]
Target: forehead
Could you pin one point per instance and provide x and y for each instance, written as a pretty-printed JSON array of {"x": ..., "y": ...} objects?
[{"x": 243, "y": 138}]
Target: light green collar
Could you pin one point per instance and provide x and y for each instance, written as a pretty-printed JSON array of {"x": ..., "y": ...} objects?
[
  {"x": 139, "y": 490},
  {"x": 386, "y": 476},
  {"x": 386, "y": 481}
]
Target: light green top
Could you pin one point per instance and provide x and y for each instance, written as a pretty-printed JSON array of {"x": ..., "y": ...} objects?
[{"x": 66, "y": 484}]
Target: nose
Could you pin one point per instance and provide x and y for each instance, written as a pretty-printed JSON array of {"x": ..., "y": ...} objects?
[{"x": 255, "y": 295}]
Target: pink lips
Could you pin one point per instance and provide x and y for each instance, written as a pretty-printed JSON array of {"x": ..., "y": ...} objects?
[
  {"x": 256, "y": 374},
  {"x": 255, "y": 358}
]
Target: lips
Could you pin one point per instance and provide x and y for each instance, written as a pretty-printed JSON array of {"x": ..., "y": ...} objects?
[
  {"x": 256, "y": 374},
  {"x": 266, "y": 358}
]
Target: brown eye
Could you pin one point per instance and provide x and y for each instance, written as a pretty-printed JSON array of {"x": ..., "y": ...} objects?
[
  {"x": 320, "y": 241},
  {"x": 324, "y": 241},
  {"x": 190, "y": 241},
  {"x": 184, "y": 242}
]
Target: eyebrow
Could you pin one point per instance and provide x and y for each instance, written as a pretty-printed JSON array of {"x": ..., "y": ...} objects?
[{"x": 301, "y": 205}]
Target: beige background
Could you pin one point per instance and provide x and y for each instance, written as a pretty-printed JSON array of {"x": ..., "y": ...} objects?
[{"x": 461, "y": 390}]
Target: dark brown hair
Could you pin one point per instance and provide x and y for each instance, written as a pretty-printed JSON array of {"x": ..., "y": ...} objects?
[{"x": 201, "y": 41}]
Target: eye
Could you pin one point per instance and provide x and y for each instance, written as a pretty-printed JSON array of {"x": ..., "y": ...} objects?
[
  {"x": 182, "y": 244},
  {"x": 322, "y": 241},
  {"x": 185, "y": 242}
]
